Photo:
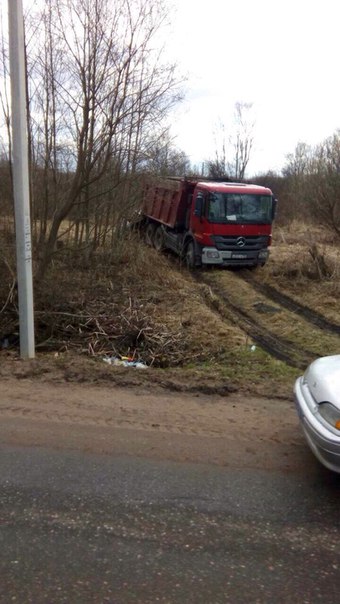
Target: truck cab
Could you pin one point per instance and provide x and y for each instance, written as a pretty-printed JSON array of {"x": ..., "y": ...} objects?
[{"x": 231, "y": 223}]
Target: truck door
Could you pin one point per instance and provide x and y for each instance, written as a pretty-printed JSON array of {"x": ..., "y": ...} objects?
[{"x": 199, "y": 224}]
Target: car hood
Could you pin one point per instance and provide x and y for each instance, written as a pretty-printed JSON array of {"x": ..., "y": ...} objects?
[{"x": 323, "y": 379}]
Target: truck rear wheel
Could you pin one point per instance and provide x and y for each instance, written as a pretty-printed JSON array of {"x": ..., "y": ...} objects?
[
  {"x": 158, "y": 239},
  {"x": 149, "y": 234}
]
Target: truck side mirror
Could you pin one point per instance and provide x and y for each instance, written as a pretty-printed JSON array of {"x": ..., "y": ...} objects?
[
  {"x": 198, "y": 206},
  {"x": 274, "y": 208}
]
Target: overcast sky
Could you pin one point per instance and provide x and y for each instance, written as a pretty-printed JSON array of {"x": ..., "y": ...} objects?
[{"x": 284, "y": 57}]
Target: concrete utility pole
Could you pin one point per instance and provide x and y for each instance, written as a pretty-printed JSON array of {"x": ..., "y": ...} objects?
[{"x": 20, "y": 178}]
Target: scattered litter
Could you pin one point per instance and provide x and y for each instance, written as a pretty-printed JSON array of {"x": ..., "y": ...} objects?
[
  {"x": 253, "y": 348},
  {"x": 124, "y": 362}
]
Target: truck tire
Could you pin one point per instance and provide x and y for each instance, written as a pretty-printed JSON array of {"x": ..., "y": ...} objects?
[
  {"x": 190, "y": 256},
  {"x": 158, "y": 239},
  {"x": 149, "y": 234}
]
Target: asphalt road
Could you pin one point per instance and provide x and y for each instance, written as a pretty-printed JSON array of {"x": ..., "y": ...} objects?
[{"x": 84, "y": 528}]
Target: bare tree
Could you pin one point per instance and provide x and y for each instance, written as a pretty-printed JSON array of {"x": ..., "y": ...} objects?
[
  {"x": 298, "y": 163},
  {"x": 243, "y": 139},
  {"x": 297, "y": 173},
  {"x": 233, "y": 151},
  {"x": 98, "y": 88},
  {"x": 218, "y": 167},
  {"x": 324, "y": 183},
  {"x": 162, "y": 158},
  {"x": 312, "y": 178}
]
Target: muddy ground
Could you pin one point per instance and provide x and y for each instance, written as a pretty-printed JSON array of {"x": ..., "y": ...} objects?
[{"x": 235, "y": 430}]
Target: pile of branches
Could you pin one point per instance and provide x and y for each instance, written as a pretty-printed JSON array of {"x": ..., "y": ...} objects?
[
  {"x": 113, "y": 331},
  {"x": 88, "y": 314}
]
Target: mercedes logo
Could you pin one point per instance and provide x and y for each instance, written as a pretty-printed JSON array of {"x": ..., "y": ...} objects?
[{"x": 240, "y": 242}]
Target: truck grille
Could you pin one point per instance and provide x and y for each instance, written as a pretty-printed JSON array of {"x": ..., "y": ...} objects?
[{"x": 226, "y": 242}]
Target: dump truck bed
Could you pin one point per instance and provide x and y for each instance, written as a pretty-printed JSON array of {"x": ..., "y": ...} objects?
[{"x": 167, "y": 201}]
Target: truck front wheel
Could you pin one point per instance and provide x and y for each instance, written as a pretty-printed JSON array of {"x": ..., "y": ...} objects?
[{"x": 190, "y": 256}]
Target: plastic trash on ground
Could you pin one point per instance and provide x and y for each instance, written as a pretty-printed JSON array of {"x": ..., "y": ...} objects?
[{"x": 124, "y": 362}]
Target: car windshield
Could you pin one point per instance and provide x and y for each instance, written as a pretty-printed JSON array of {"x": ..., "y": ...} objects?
[{"x": 240, "y": 208}]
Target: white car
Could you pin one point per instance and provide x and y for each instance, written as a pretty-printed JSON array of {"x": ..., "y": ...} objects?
[{"x": 317, "y": 398}]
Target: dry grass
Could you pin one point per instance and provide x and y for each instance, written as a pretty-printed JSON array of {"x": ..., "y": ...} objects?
[
  {"x": 138, "y": 306},
  {"x": 143, "y": 304},
  {"x": 308, "y": 267},
  {"x": 305, "y": 262}
]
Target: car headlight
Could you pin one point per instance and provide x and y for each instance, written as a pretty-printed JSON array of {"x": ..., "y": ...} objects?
[{"x": 330, "y": 414}]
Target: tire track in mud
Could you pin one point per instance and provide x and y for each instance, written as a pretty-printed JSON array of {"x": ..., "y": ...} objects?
[
  {"x": 278, "y": 347},
  {"x": 292, "y": 305}
]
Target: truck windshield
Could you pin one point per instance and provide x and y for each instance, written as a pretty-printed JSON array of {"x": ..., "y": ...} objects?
[{"x": 240, "y": 208}]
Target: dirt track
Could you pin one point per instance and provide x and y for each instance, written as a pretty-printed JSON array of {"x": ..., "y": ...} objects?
[
  {"x": 253, "y": 433},
  {"x": 254, "y": 305}
]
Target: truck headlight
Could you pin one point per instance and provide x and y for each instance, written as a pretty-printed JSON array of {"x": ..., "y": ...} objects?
[{"x": 212, "y": 254}]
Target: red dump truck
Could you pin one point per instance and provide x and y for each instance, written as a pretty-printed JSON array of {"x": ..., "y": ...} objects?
[{"x": 209, "y": 223}]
